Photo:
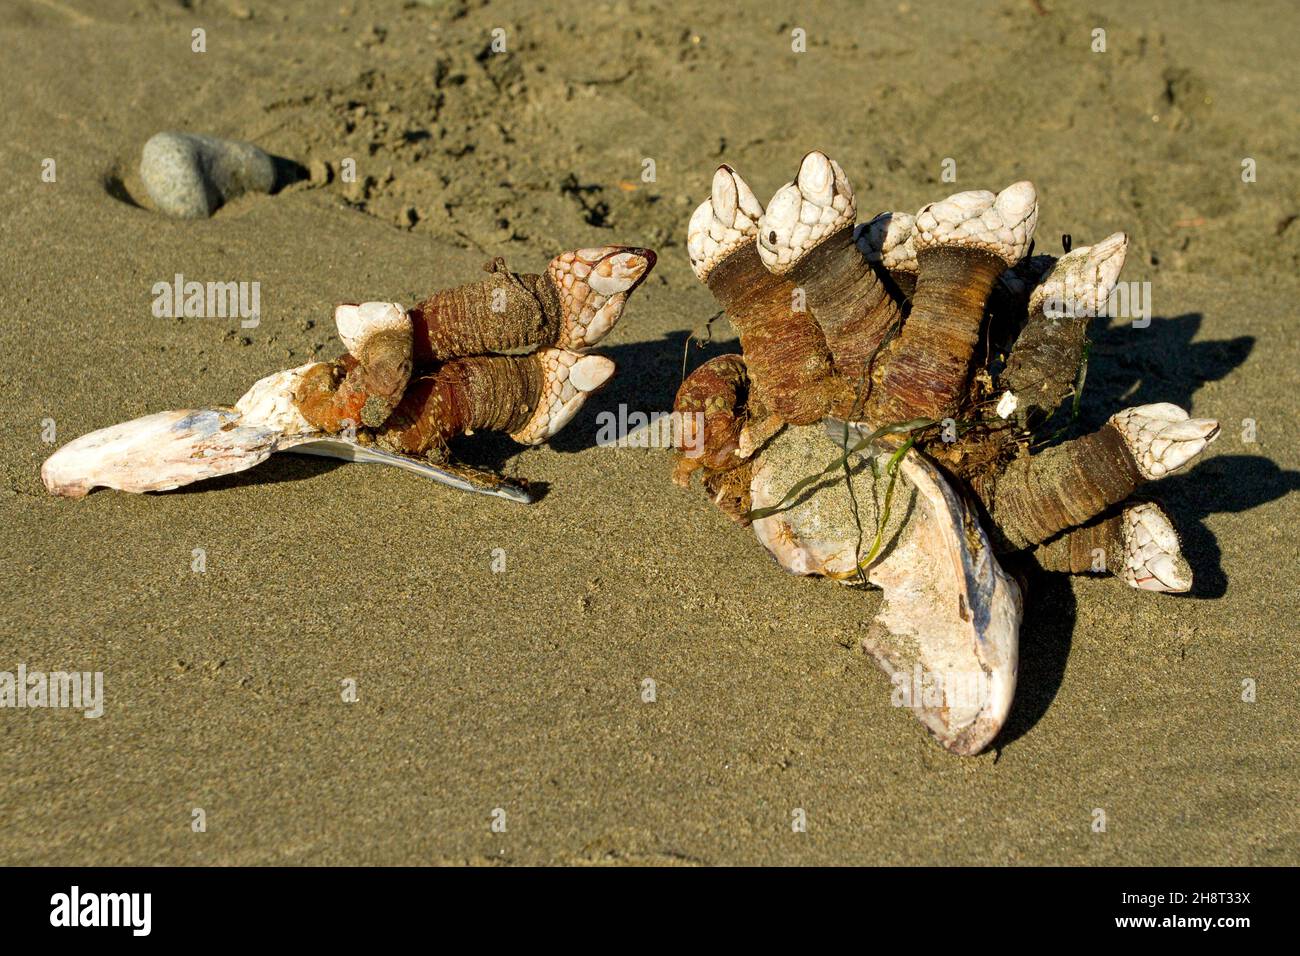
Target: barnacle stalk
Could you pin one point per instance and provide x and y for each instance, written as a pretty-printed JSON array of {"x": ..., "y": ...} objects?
[
  {"x": 573, "y": 305},
  {"x": 806, "y": 234},
  {"x": 1043, "y": 368},
  {"x": 962, "y": 245},
  {"x": 1038, "y": 496},
  {"x": 712, "y": 409},
  {"x": 530, "y": 397},
  {"x": 786, "y": 355},
  {"x": 1139, "y": 544}
]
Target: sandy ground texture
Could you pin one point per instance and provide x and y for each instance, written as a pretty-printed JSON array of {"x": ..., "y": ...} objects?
[{"x": 522, "y": 690}]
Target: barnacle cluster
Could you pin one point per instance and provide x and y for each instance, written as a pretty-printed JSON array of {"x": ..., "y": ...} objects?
[
  {"x": 940, "y": 328},
  {"x": 507, "y": 354},
  {"x": 935, "y": 349},
  {"x": 510, "y": 353}
]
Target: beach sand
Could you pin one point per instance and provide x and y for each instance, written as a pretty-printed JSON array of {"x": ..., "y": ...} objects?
[{"x": 522, "y": 691}]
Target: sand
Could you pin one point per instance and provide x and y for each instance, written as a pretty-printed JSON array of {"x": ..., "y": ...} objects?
[{"x": 523, "y": 690}]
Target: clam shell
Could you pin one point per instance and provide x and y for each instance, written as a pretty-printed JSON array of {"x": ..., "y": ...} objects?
[{"x": 948, "y": 630}]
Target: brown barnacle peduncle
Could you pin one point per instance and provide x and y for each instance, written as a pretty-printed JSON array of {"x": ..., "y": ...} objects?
[
  {"x": 1093, "y": 548},
  {"x": 785, "y": 352},
  {"x": 1044, "y": 365},
  {"x": 1039, "y": 496},
  {"x": 807, "y": 235},
  {"x": 711, "y": 406},
  {"x": 530, "y": 397},
  {"x": 573, "y": 305},
  {"x": 488, "y": 393},
  {"x": 1137, "y": 543},
  {"x": 962, "y": 245},
  {"x": 788, "y": 362}
]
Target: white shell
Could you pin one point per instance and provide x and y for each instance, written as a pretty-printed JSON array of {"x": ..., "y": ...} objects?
[{"x": 356, "y": 323}]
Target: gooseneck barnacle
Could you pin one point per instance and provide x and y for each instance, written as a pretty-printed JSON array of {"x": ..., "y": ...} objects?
[{"x": 936, "y": 346}]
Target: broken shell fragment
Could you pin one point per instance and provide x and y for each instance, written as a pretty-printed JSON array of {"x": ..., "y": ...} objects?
[
  {"x": 169, "y": 449},
  {"x": 159, "y": 452}
]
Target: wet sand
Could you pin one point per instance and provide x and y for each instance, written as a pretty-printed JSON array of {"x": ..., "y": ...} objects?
[{"x": 522, "y": 690}]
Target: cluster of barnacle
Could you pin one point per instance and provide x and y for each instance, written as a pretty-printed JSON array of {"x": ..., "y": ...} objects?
[
  {"x": 934, "y": 343},
  {"x": 507, "y": 354},
  {"x": 939, "y": 321}
]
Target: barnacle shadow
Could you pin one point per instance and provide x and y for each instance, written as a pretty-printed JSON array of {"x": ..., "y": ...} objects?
[
  {"x": 1227, "y": 483},
  {"x": 275, "y": 470},
  {"x": 1128, "y": 367},
  {"x": 648, "y": 376},
  {"x": 1159, "y": 363},
  {"x": 1045, "y": 637}
]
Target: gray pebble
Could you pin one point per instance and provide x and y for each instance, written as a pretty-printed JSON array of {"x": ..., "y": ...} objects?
[{"x": 189, "y": 175}]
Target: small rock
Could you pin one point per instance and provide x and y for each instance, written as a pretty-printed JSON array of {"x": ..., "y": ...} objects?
[{"x": 190, "y": 175}]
